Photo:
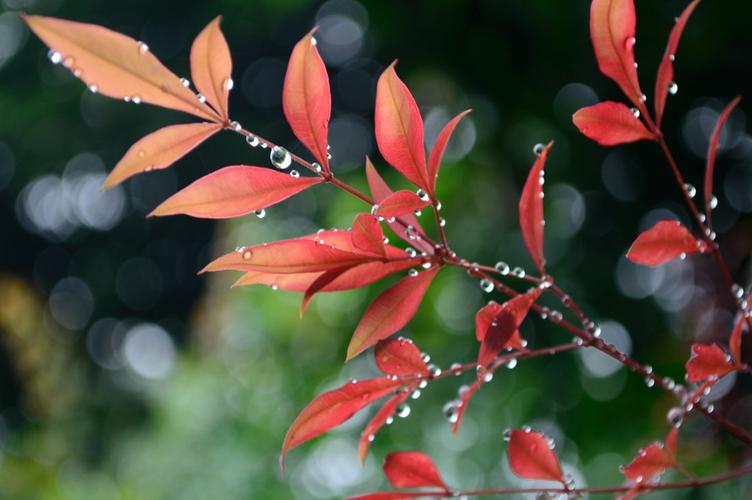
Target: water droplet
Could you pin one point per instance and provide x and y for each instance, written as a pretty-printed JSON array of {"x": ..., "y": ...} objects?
[
  {"x": 526, "y": 428},
  {"x": 426, "y": 265},
  {"x": 412, "y": 273},
  {"x": 507, "y": 434},
  {"x": 538, "y": 149},
  {"x": 142, "y": 48},
  {"x": 415, "y": 394},
  {"x": 672, "y": 57},
  {"x": 710, "y": 408},
  {"x": 252, "y": 140},
  {"x": 201, "y": 98},
  {"x": 389, "y": 420},
  {"x": 690, "y": 189},
  {"x": 410, "y": 251},
  {"x": 229, "y": 84},
  {"x": 423, "y": 384},
  {"x": 702, "y": 218},
  {"x": 313, "y": 41},
  {"x": 486, "y": 285},
  {"x": 556, "y": 315},
  {"x": 635, "y": 65},
  {"x": 185, "y": 82},
  {"x": 93, "y": 88},
  {"x": 422, "y": 195},
  {"x": 260, "y": 213},
  {"x": 136, "y": 99},
  {"x": 519, "y": 272},
  {"x": 673, "y": 88},
  {"x": 635, "y": 112},
  {"x": 317, "y": 167},
  {"x": 738, "y": 291},
  {"x": 512, "y": 363},
  {"x": 425, "y": 357},
  {"x": 487, "y": 377},
  {"x": 674, "y": 416},
  {"x": 294, "y": 173},
  {"x": 643, "y": 98},
  {"x": 76, "y": 72},
  {"x": 68, "y": 62},
  {"x": 649, "y": 381},
  {"x": 502, "y": 268},
  {"x": 280, "y": 158},
  {"x": 55, "y": 57},
  {"x": 434, "y": 370},
  {"x": 450, "y": 411},
  {"x": 713, "y": 202},
  {"x": 402, "y": 410}
]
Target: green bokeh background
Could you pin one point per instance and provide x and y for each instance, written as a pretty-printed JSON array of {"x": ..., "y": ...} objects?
[{"x": 73, "y": 425}]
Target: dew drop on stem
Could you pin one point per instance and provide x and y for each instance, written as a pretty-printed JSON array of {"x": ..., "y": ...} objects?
[
  {"x": 280, "y": 158},
  {"x": 673, "y": 88},
  {"x": 690, "y": 189},
  {"x": 486, "y": 285},
  {"x": 502, "y": 268}
]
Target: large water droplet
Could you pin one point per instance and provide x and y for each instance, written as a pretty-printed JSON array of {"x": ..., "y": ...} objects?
[
  {"x": 294, "y": 173},
  {"x": 502, "y": 268},
  {"x": 635, "y": 112},
  {"x": 450, "y": 411},
  {"x": 673, "y": 88},
  {"x": 229, "y": 84},
  {"x": 136, "y": 99},
  {"x": 412, "y": 273},
  {"x": 201, "y": 98},
  {"x": 55, "y": 57},
  {"x": 252, "y": 140},
  {"x": 507, "y": 434},
  {"x": 402, "y": 410},
  {"x": 142, "y": 48},
  {"x": 713, "y": 202},
  {"x": 247, "y": 254},
  {"x": 260, "y": 213},
  {"x": 486, "y": 285},
  {"x": 280, "y": 158},
  {"x": 674, "y": 416},
  {"x": 690, "y": 189},
  {"x": 538, "y": 149},
  {"x": 185, "y": 82}
]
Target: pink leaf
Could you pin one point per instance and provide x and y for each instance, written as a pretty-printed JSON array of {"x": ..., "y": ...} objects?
[
  {"x": 399, "y": 128},
  {"x": 399, "y": 357},
  {"x": 530, "y": 457},
  {"x": 367, "y": 235},
  {"x": 211, "y": 67},
  {"x": 715, "y": 139},
  {"x": 437, "y": 153},
  {"x": 400, "y": 203},
  {"x": 735, "y": 341},
  {"x": 390, "y": 311},
  {"x": 160, "y": 149},
  {"x": 332, "y": 408},
  {"x": 609, "y": 123},
  {"x": 377, "y": 422},
  {"x": 412, "y": 469},
  {"x": 306, "y": 99},
  {"x": 665, "y": 241},
  {"x": 380, "y": 191},
  {"x": 612, "y": 31},
  {"x": 233, "y": 191},
  {"x": 531, "y": 211},
  {"x": 651, "y": 460},
  {"x": 706, "y": 361},
  {"x": 665, "y": 77}
]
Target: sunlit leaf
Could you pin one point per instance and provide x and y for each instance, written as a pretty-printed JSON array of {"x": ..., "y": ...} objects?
[
  {"x": 211, "y": 67},
  {"x": 399, "y": 357},
  {"x": 379, "y": 420},
  {"x": 400, "y": 203},
  {"x": 437, "y": 153}
]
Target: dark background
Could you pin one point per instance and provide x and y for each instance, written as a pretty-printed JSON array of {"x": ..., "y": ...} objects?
[{"x": 125, "y": 375}]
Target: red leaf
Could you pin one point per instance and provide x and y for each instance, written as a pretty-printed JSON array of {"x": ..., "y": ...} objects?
[
  {"x": 160, "y": 149},
  {"x": 612, "y": 31},
  {"x": 707, "y": 360},
  {"x": 412, "y": 469},
  {"x": 649, "y": 461},
  {"x": 735, "y": 341},
  {"x": 377, "y": 422},
  {"x": 399, "y": 357},
  {"x": 665, "y": 77},
  {"x": 671, "y": 440},
  {"x": 211, "y": 67},
  {"x": 400, "y": 203},
  {"x": 399, "y": 128},
  {"x": 298, "y": 255},
  {"x": 390, "y": 311},
  {"x": 665, "y": 241},
  {"x": 437, "y": 153},
  {"x": 609, "y": 123},
  {"x": 531, "y": 211},
  {"x": 306, "y": 99},
  {"x": 384, "y": 495},
  {"x": 519, "y": 306},
  {"x": 116, "y": 65},
  {"x": 332, "y": 408},
  {"x": 464, "y": 401},
  {"x": 715, "y": 138},
  {"x": 232, "y": 192},
  {"x": 380, "y": 191},
  {"x": 502, "y": 327},
  {"x": 531, "y": 458},
  {"x": 367, "y": 235},
  {"x": 321, "y": 282}
]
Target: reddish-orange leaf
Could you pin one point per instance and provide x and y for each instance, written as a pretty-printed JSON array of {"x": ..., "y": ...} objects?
[
  {"x": 332, "y": 408},
  {"x": 232, "y": 192},
  {"x": 299, "y": 282},
  {"x": 650, "y": 461},
  {"x": 612, "y": 31},
  {"x": 367, "y": 235},
  {"x": 399, "y": 357},
  {"x": 377, "y": 422},
  {"x": 390, "y": 311},
  {"x": 385, "y": 495},
  {"x": 735, "y": 341},
  {"x": 664, "y": 81},
  {"x": 299, "y": 255},
  {"x": 519, "y": 306},
  {"x": 437, "y": 153},
  {"x": 160, "y": 149},
  {"x": 609, "y": 123},
  {"x": 665, "y": 241},
  {"x": 211, "y": 67},
  {"x": 116, "y": 65},
  {"x": 380, "y": 191},
  {"x": 715, "y": 139},
  {"x": 399, "y": 128},
  {"x": 318, "y": 285},
  {"x": 500, "y": 331},
  {"x": 531, "y": 210},
  {"x": 400, "y": 203},
  {"x": 530, "y": 456},
  {"x": 466, "y": 395},
  {"x": 707, "y": 360},
  {"x": 412, "y": 469},
  {"x": 306, "y": 99},
  {"x": 671, "y": 440}
]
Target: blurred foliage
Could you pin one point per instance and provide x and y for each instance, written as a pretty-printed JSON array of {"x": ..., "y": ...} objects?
[{"x": 95, "y": 402}]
